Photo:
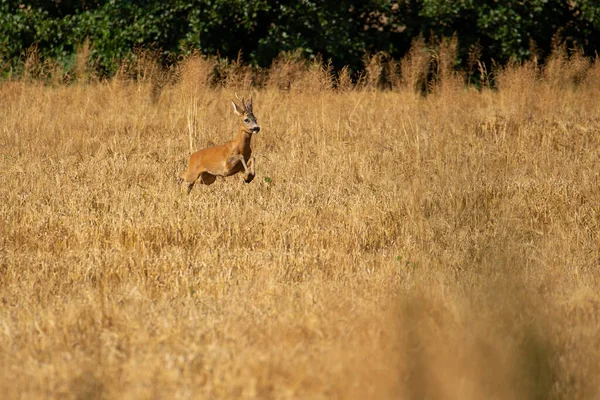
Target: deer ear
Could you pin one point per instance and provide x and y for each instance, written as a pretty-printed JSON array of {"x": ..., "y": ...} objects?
[
  {"x": 237, "y": 109},
  {"x": 249, "y": 104}
]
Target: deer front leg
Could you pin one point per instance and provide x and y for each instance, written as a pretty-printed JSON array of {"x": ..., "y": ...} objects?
[
  {"x": 250, "y": 171},
  {"x": 232, "y": 161}
]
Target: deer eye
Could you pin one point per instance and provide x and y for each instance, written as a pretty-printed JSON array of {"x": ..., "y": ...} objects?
[{"x": 246, "y": 120}]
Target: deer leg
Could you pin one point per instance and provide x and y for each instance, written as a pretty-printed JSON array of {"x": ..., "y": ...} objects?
[
  {"x": 189, "y": 185},
  {"x": 189, "y": 177},
  {"x": 249, "y": 176},
  {"x": 240, "y": 157},
  {"x": 189, "y": 188}
]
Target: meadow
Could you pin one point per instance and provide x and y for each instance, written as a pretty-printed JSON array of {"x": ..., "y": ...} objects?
[{"x": 394, "y": 244}]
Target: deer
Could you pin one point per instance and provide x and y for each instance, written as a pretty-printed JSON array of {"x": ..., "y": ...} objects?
[{"x": 227, "y": 159}]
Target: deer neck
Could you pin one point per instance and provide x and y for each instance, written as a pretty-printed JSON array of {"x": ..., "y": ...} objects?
[{"x": 243, "y": 139}]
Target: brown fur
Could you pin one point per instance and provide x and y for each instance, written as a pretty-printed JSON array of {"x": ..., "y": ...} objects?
[{"x": 227, "y": 159}]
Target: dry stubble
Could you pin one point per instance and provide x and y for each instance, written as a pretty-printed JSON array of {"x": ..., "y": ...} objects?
[{"x": 390, "y": 246}]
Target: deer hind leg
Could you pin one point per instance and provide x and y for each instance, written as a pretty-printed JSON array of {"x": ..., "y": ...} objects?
[
  {"x": 189, "y": 177},
  {"x": 250, "y": 171},
  {"x": 188, "y": 185}
]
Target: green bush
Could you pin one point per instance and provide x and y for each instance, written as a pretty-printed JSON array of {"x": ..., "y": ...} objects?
[{"x": 341, "y": 31}]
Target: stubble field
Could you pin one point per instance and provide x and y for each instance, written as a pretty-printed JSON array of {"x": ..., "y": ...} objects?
[{"x": 392, "y": 245}]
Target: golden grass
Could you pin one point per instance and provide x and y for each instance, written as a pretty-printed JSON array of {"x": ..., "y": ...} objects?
[{"x": 391, "y": 246}]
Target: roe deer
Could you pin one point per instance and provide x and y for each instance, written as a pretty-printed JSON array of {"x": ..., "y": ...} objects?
[{"x": 227, "y": 159}]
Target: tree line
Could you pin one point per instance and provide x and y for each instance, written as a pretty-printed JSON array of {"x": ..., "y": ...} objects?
[{"x": 259, "y": 30}]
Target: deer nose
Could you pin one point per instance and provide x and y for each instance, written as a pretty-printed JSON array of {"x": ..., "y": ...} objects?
[{"x": 256, "y": 129}]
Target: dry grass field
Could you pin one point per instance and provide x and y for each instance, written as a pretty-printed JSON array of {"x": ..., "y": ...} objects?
[{"x": 392, "y": 245}]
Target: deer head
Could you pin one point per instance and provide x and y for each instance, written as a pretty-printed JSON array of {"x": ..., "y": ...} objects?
[{"x": 247, "y": 120}]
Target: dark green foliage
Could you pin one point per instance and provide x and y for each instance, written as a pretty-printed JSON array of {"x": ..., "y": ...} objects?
[
  {"x": 513, "y": 29},
  {"x": 342, "y": 31}
]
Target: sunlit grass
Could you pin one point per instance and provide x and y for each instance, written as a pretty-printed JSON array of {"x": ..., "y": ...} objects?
[{"x": 392, "y": 245}]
